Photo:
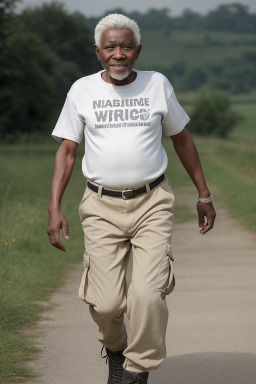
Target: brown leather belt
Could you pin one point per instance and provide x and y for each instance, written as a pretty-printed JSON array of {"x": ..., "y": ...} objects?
[{"x": 127, "y": 193}]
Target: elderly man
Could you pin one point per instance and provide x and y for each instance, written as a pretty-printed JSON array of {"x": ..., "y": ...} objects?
[{"x": 128, "y": 203}]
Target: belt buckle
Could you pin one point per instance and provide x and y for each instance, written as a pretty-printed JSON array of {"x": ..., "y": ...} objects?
[{"x": 128, "y": 194}]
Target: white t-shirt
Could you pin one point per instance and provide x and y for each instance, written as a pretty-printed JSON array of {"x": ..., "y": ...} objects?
[{"x": 122, "y": 127}]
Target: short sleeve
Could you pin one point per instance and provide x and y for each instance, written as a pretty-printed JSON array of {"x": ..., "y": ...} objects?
[
  {"x": 69, "y": 125},
  {"x": 176, "y": 118}
]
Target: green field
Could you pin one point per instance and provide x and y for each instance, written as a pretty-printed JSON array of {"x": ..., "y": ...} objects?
[
  {"x": 31, "y": 269},
  {"x": 192, "y": 47}
]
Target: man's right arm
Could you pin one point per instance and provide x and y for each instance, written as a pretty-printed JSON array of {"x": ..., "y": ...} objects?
[{"x": 63, "y": 166}]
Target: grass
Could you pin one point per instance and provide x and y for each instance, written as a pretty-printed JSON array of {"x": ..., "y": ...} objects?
[
  {"x": 199, "y": 47},
  {"x": 31, "y": 269},
  {"x": 229, "y": 166}
]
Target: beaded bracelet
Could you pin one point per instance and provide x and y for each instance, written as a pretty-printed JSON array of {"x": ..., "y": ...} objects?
[{"x": 205, "y": 200}]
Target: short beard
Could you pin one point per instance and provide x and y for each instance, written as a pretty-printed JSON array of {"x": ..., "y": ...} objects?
[{"x": 119, "y": 77}]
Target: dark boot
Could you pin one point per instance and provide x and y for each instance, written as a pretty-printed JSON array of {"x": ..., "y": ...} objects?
[
  {"x": 115, "y": 362},
  {"x": 134, "y": 378}
]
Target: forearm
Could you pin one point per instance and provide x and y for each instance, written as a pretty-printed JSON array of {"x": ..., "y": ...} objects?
[
  {"x": 63, "y": 166},
  {"x": 187, "y": 152}
]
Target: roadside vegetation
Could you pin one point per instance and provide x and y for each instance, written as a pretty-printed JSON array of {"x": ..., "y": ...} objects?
[
  {"x": 40, "y": 59},
  {"x": 229, "y": 165},
  {"x": 30, "y": 269}
]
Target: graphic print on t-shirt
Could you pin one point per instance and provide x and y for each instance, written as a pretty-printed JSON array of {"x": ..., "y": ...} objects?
[{"x": 121, "y": 113}]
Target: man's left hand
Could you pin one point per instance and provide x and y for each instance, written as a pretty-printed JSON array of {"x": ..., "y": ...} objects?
[{"x": 206, "y": 216}]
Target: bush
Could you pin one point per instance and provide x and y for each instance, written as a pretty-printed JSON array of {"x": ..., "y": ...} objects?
[{"x": 213, "y": 115}]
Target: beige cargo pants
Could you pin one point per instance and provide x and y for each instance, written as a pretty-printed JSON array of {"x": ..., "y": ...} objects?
[{"x": 112, "y": 227}]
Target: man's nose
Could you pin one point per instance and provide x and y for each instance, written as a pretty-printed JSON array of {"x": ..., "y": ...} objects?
[{"x": 118, "y": 53}]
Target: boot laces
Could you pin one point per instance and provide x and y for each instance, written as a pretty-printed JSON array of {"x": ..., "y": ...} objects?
[{"x": 115, "y": 361}]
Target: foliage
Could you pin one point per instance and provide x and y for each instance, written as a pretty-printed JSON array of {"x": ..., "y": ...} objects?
[
  {"x": 237, "y": 76},
  {"x": 44, "y": 49},
  {"x": 6, "y": 18},
  {"x": 231, "y": 17},
  {"x": 47, "y": 50},
  {"x": 32, "y": 86},
  {"x": 234, "y": 17},
  {"x": 213, "y": 115},
  {"x": 154, "y": 19},
  {"x": 63, "y": 33}
]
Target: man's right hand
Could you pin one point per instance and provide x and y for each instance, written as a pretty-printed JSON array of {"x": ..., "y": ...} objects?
[
  {"x": 63, "y": 165},
  {"x": 56, "y": 222}
]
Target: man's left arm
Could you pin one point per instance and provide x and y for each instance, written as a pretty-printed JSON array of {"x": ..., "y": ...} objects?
[{"x": 186, "y": 150}]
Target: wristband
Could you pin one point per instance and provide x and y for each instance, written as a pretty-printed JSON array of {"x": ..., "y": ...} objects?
[{"x": 205, "y": 200}]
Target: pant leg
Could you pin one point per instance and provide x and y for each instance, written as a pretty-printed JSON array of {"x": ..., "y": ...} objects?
[
  {"x": 103, "y": 283},
  {"x": 152, "y": 278}
]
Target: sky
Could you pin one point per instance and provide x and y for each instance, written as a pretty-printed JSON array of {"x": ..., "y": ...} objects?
[{"x": 98, "y": 7}]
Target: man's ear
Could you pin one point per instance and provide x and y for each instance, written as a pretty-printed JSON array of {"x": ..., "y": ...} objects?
[
  {"x": 138, "y": 51},
  {"x": 97, "y": 51}
]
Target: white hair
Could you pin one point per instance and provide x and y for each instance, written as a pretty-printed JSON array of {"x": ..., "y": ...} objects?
[{"x": 116, "y": 21}]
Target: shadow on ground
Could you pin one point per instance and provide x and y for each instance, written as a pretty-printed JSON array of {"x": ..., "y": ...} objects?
[{"x": 207, "y": 368}]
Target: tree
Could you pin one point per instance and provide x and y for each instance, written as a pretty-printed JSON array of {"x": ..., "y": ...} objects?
[
  {"x": 229, "y": 17},
  {"x": 189, "y": 20},
  {"x": 194, "y": 78},
  {"x": 33, "y": 86},
  {"x": 66, "y": 34},
  {"x": 43, "y": 55},
  {"x": 7, "y": 8},
  {"x": 213, "y": 115}
]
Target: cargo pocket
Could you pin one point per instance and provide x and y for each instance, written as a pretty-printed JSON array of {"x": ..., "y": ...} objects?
[
  {"x": 165, "y": 280},
  {"x": 86, "y": 289}
]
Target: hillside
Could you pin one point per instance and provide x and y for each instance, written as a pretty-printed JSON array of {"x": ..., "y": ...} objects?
[
  {"x": 216, "y": 51},
  {"x": 196, "y": 60},
  {"x": 193, "y": 47}
]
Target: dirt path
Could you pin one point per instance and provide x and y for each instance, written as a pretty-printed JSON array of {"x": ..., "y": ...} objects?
[{"x": 211, "y": 335}]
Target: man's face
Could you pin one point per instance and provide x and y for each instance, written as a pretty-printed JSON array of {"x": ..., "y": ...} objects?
[{"x": 117, "y": 53}]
